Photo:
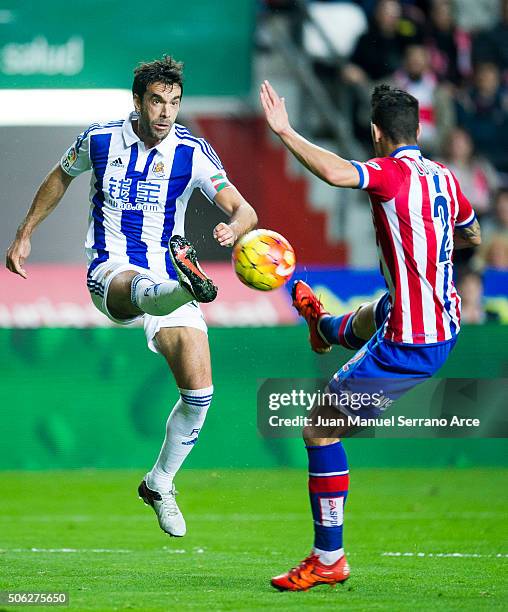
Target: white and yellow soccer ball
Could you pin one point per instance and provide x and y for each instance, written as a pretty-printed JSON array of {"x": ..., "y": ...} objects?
[{"x": 263, "y": 260}]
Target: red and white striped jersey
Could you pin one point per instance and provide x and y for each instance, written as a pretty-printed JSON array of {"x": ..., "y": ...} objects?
[{"x": 416, "y": 204}]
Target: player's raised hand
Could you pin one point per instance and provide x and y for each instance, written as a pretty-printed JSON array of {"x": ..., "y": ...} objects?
[
  {"x": 224, "y": 235},
  {"x": 274, "y": 107},
  {"x": 16, "y": 255}
]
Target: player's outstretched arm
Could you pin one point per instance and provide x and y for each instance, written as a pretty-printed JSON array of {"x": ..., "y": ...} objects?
[
  {"x": 466, "y": 237},
  {"x": 326, "y": 165},
  {"x": 243, "y": 217},
  {"x": 47, "y": 197}
]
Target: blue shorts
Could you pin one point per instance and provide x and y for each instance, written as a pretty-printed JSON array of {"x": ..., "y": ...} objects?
[{"x": 382, "y": 371}]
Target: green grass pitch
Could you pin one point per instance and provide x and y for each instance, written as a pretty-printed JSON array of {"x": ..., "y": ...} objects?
[{"x": 245, "y": 526}]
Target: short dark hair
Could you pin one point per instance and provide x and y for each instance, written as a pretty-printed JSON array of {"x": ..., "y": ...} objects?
[
  {"x": 396, "y": 113},
  {"x": 166, "y": 70}
]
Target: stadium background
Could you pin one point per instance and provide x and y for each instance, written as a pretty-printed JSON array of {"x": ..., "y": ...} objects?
[
  {"x": 76, "y": 392},
  {"x": 49, "y": 61}
]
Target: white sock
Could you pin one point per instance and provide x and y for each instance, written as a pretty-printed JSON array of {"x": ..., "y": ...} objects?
[
  {"x": 182, "y": 430},
  {"x": 158, "y": 298},
  {"x": 328, "y": 557}
]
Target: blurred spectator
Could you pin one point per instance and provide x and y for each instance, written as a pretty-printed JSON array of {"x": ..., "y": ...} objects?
[
  {"x": 493, "y": 252},
  {"x": 501, "y": 211},
  {"x": 470, "y": 288},
  {"x": 436, "y": 109},
  {"x": 379, "y": 51},
  {"x": 482, "y": 110},
  {"x": 477, "y": 177},
  {"x": 377, "y": 56},
  {"x": 408, "y": 6},
  {"x": 443, "y": 41},
  {"x": 476, "y": 15},
  {"x": 492, "y": 45}
]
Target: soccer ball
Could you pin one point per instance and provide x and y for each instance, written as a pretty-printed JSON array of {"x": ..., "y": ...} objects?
[{"x": 263, "y": 260}]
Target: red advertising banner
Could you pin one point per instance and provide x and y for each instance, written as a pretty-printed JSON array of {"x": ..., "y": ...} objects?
[{"x": 57, "y": 296}]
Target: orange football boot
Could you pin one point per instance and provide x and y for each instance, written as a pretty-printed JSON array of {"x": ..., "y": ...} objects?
[
  {"x": 190, "y": 274},
  {"x": 310, "y": 308},
  {"x": 311, "y": 573}
]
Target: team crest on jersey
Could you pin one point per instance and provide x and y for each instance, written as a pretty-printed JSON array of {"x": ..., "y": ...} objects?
[{"x": 158, "y": 169}]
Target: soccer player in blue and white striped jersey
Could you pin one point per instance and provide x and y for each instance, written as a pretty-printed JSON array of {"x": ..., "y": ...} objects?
[{"x": 144, "y": 170}]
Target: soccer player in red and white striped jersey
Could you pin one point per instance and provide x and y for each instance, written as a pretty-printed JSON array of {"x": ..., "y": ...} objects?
[
  {"x": 420, "y": 216},
  {"x": 416, "y": 206}
]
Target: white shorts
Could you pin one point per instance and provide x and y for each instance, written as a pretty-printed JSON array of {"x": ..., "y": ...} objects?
[{"x": 98, "y": 282}]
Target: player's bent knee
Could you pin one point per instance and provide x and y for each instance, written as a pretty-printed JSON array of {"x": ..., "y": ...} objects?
[
  {"x": 363, "y": 323},
  {"x": 314, "y": 436},
  {"x": 317, "y": 441},
  {"x": 307, "y": 434},
  {"x": 119, "y": 295}
]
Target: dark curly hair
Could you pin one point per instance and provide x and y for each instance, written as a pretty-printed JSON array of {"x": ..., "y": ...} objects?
[
  {"x": 166, "y": 70},
  {"x": 396, "y": 113}
]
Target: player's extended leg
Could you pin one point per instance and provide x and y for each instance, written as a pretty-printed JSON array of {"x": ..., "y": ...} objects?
[
  {"x": 351, "y": 330},
  {"x": 131, "y": 293},
  {"x": 187, "y": 352}
]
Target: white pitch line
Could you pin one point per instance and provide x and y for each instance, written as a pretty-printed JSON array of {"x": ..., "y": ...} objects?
[
  {"x": 65, "y": 550},
  {"x": 165, "y": 549},
  {"x": 441, "y": 555},
  {"x": 196, "y": 549}
]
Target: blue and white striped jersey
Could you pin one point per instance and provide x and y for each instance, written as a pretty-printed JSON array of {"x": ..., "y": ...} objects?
[{"x": 138, "y": 196}]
